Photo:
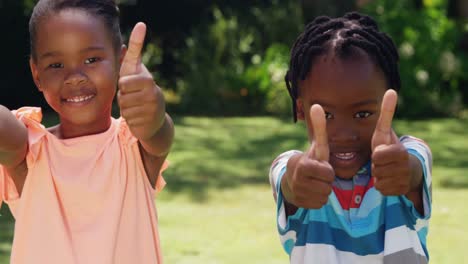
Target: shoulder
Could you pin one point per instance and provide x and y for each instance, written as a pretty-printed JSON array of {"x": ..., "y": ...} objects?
[
  {"x": 278, "y": 167},
  {"x": 411, "y": 141},
  {"x": 280, "y": 162},
  {"x": 419, "y": 148},
  {"x": 123, "y": 132},
  {"x": 285, "y": 156},
  {"x": 31, "y": 114},
  {"x": 31, "y": 117}
]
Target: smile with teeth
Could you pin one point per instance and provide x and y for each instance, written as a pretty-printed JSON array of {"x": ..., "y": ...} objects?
[
  {"x": 345, "y": 155},
  {"x": 78, "y": 99}
]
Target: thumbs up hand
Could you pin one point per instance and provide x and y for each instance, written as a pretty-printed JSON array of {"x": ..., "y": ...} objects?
[
  {"x": 390, "y": 159},
  {"x": 309, "y": 177},
  {"x": 140, "y": 99}
]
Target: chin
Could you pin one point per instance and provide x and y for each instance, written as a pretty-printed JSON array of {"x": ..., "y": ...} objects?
[
  {"x": 346, "y": 174},
  {"x": 345, "y": 177}
]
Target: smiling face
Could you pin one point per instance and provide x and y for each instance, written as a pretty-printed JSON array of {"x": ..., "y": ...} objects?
[
  {"x": 350, "y": 92},
  {"x": 76, "y": 68}
]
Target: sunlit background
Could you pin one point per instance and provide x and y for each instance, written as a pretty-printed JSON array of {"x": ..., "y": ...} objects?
[{"x": 221, "y": 65}]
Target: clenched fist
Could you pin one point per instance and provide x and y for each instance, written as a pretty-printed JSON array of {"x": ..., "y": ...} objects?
[
  {"x": 141, "y": 101},
  {"x": 309, "y": 177}
]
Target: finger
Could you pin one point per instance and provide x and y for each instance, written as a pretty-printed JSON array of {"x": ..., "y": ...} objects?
[
  {"x": 131, "y": 100},
  {"x": 135, "y": 83},
  {"x": 385, "y": 171},
  {"x": 132, "y": 112},
  {"x": 135, "y": 122},
  {"x": 313, "y": 169},
  {"x": 386, "y": 154},
  {"x": 319, "y": 187},
  {"x": 132, "y": 59},
  {"x": 383, "y": 129},
  {"x": 136, "y": 116},
  {"x": 312, "y": 187},
  {"x": 382, "y": 186},
  {"x": 319, "y": 127},
  {"x": 388, "y": 186}
]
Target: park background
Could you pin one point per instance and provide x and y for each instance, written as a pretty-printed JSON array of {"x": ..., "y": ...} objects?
[{"x": 221, "y": 65}]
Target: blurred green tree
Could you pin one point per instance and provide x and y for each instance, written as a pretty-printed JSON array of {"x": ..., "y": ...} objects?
[
  {"x": 227, "y": 57},
  {"x": 431, "y": 63}
]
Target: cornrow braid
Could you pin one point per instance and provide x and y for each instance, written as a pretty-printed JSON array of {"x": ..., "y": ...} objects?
[{"x": 341, "y": 36}]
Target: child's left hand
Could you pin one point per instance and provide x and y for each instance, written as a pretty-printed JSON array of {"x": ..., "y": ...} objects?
[
  {"x": 140, "y": 99},
  {"x": 390, "y": 159}
]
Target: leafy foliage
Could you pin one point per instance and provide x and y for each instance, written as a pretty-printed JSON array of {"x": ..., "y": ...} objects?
[
  {"x": 224, "y": 57},
  {"x": 236, "y": 64},
  {"x": 431, "y": 66}
]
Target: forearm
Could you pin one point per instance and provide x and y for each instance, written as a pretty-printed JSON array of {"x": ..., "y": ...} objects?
[
  {"x": 285, "y": 188},
  {"x": 416, "y": 173},
  {"x": 416, "y": 187},
  {"x": 13, "y": 133},
  {"x": 160, "y": 143},
  {"x": 13, "y": 138}
]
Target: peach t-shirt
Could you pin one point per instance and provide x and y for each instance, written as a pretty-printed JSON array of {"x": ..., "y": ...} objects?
[{"x": 85, "y": 200}]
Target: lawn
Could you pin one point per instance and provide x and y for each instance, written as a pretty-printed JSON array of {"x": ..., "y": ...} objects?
[{"x": 218, "y": 206}]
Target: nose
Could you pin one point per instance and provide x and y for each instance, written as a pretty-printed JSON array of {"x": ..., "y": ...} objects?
[
  {"x": 75, "y": 77},
  {"x": 342, "y": 132}
]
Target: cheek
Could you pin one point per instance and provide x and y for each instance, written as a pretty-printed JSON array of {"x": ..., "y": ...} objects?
[
  {"x": 106, "y": 76},
  {"x": 366, "y": 131},
  {"x": 50, "y": 80}
]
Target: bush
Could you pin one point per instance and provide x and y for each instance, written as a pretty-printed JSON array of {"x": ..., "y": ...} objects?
[
  {"x": 236, "y": 64},
  {"x": 430, "y": 65},
  {"x": 233, "y": 63},
  {"x": 267, "y": 77}
]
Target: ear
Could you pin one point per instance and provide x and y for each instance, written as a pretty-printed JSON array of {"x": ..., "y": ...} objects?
[
  {"x": 300, "y": 109},
  {"x": 123, "y": 51},
  {"x": 35, "y": 74}
]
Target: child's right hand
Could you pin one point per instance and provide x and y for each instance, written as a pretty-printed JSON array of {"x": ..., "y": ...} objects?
[
  {"x": 308, "y": 180},
  {"x": 140, "y": 100}
]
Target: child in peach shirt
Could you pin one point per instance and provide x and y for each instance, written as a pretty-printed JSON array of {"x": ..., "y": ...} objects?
[{"x": 83, "y": 191}]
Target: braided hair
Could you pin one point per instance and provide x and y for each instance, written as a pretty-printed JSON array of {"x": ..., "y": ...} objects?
[{"x": 342, "y": 36}]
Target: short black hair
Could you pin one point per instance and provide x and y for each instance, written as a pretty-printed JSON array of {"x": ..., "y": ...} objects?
[
  {"x": 341, "y": 36},
  {"x": 105, "y": 9}
]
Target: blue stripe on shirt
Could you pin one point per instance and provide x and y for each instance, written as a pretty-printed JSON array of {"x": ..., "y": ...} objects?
[{"x": 320, "y": 232}]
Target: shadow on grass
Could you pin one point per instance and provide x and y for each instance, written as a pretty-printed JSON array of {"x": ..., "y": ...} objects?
[
  {"x": 457, "y": 183},
  {"x": 219, "y": 153},
  {"x": 231, "y": 152},
  {"x": 447, "y": 139}
]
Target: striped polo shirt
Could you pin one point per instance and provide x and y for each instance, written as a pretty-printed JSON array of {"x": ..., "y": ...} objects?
[{"x": 358, "y": 224}]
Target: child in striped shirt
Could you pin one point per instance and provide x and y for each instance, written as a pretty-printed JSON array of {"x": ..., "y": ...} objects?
[{"x": 359, "y": 194}]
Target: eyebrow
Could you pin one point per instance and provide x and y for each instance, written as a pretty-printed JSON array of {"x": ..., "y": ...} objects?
[
  {"x": 357, "y": 104},
  {"x": 56, "y": 53},
  {"x": 49, "y": 54},
  {"x": 365, "y": 102}
]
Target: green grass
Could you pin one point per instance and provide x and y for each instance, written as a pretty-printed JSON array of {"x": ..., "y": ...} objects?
[{"x": 218, "y": 206}]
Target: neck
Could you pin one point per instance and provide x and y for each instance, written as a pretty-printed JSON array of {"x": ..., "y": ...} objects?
[{"x": 67, "y": 130}]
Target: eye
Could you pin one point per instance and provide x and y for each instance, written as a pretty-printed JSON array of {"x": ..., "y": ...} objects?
[
  {"x": 55, "y": 65},
  {"x": 362, "y": 114},
  {"x": 92, "y": 60},
  {"x": 328, "y": 115}
]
